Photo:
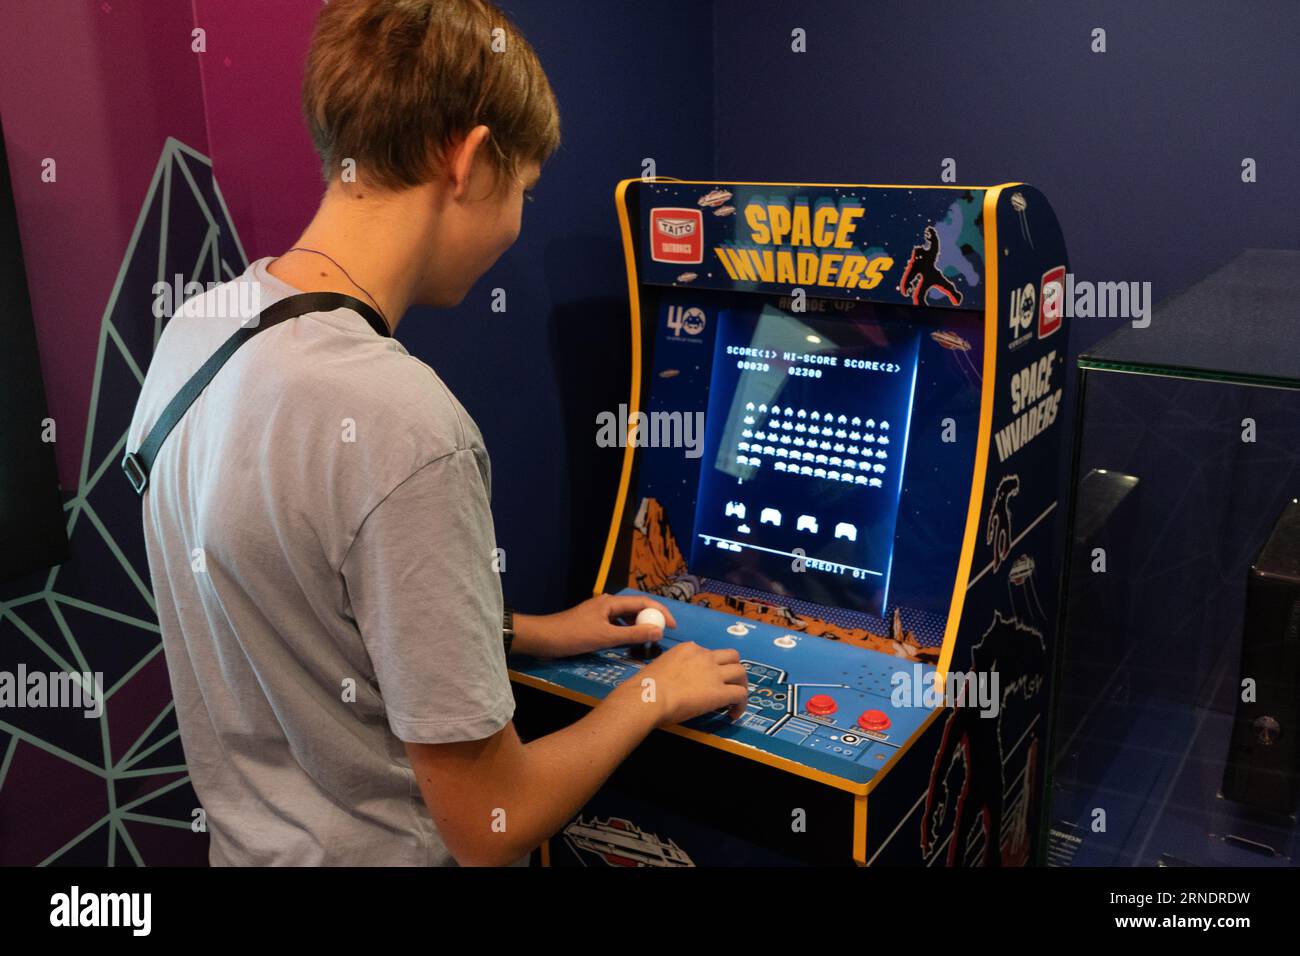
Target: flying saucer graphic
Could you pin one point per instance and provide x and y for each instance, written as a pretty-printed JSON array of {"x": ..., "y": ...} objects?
[
  {"x": 714, "y": 197},
  {"x": 1022, "y": 570},
  {"x": 951, "y": 340},
  {"x": 1020, "y": 204},
  {"x": 1020, "y": 584},
  {"x": 959, "y": 347},
  {"x": 619, "y": 842}
]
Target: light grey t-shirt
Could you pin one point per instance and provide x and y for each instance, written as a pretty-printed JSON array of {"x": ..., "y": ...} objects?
[{"x": 321, "y": 551}]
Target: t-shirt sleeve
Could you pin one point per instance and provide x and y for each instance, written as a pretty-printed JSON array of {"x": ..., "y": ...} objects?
[{"x": 427, "y": 601}]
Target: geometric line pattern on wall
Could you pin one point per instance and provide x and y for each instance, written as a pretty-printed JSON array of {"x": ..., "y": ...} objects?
[{"x": 113, "y": 789}]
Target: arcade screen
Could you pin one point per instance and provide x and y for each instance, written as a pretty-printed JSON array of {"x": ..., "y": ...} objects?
[{"x": 805, "y": 449}]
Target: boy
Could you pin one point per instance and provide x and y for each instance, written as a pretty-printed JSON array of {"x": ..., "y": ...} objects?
[{"x": 317, "y": 524}]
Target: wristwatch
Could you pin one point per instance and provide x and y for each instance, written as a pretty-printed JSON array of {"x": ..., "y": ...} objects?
[{"x": 508, "y": 629}]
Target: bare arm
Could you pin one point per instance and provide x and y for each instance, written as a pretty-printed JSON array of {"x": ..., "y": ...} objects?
[
  {"x": 589, "y": 626},
  {"x": 494, "y": 800}
]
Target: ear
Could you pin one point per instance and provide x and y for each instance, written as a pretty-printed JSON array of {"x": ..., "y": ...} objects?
[{"x": 461, "y": 156}]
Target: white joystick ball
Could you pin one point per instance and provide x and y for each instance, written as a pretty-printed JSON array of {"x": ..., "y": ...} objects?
[{"x": 653, "y": 616}]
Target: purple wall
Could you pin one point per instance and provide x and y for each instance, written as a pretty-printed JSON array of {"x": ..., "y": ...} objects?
[
  {"x": 98, "y": 88},
  {"x": 260, "y": 148}
]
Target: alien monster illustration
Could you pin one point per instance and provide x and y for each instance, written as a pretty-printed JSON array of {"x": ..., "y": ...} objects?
[
  {"x": 922, "y": 275},
  {"x": 1016, "y": 654}
]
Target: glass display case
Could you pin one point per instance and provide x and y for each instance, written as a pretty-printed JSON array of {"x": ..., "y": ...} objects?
[{"x": 1177, "y": 675}]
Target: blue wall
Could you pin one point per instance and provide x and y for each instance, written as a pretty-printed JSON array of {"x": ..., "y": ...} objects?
[{"x": 1139, "y": 149}]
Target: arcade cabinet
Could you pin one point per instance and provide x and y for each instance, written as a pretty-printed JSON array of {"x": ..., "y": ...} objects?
[{"x": 841, "y": 453}]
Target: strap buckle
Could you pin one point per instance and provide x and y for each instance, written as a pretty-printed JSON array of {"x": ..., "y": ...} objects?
[{"x": 135, "y": 472}]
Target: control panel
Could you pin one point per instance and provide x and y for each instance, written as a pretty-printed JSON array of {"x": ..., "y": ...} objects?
[{"x": 820, "y": 703}]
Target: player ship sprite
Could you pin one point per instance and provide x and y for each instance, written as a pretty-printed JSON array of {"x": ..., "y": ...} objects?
[
  {"x": 658, "y": 567},
  {"x": 618, "y": 842}
]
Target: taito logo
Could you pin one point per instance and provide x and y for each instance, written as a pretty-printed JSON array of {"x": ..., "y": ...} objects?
[
  {"x": 1051, "y": 303},
  {"x": 677, "y": 235}
]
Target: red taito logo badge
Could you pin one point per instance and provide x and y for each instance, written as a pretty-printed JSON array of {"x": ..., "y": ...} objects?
[
  {"x": 1051, "y": 302},
  {"x": 677, "y": 235}
]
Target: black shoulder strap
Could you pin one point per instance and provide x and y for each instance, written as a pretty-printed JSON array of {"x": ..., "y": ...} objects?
[{"x": 139, "y": 464}]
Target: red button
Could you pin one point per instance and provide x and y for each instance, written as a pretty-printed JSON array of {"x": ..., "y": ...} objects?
[
  {"x": 874, "y": 720},
  {"x": 821, "y": 705}
]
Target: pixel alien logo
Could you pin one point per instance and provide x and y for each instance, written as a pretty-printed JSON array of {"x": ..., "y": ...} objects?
[{"x": 688, "y": 320}]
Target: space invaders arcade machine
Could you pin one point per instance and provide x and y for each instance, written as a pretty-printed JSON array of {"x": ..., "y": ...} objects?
[{"x": 867, "y": 517}]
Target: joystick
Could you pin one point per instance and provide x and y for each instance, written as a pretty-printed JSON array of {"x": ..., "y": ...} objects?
[
  {"x": 653, "y": 616},
  {"x": 649, "y": 650}
]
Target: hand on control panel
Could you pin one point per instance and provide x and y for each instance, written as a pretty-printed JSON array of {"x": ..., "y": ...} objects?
[
  {"x": 589, "y": 626},
  {"x": 686, "y": 681}
]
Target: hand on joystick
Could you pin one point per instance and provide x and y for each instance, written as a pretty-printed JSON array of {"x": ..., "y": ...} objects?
[{"x": 590, "y": 626}]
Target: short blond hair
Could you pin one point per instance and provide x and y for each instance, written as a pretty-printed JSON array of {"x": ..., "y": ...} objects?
[{"x": 391, "y": 83}]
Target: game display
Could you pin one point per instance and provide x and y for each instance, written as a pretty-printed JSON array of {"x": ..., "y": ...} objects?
[{"x": 841, "y": 450}]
